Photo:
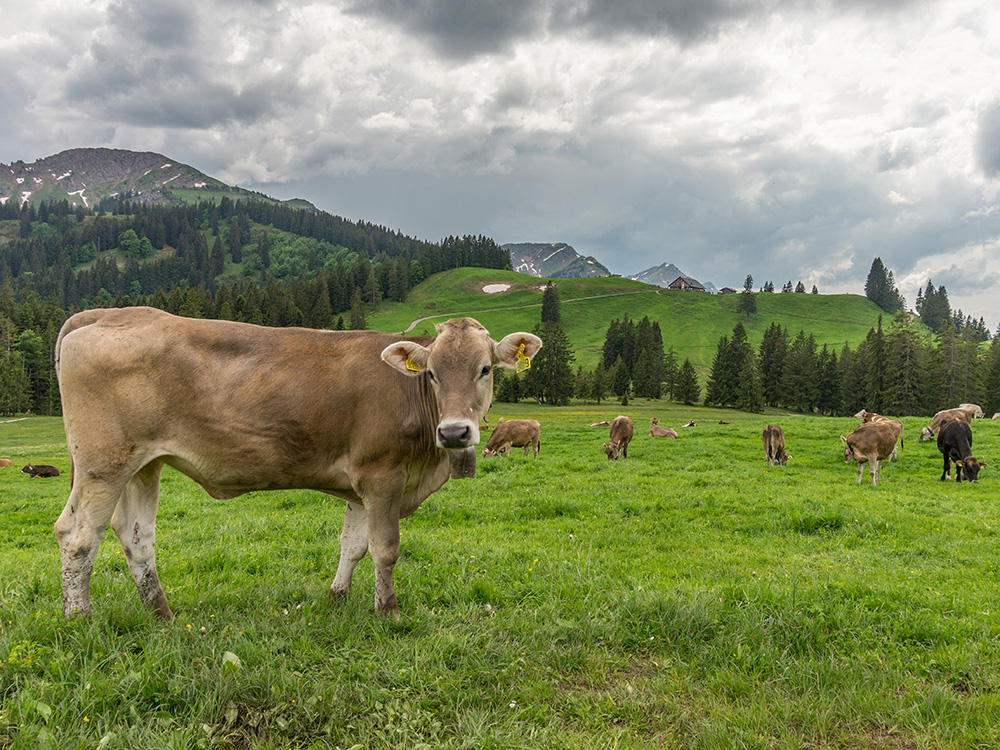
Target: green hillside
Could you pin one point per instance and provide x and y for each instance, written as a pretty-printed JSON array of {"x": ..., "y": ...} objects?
[{"x": 691, "y": 322}]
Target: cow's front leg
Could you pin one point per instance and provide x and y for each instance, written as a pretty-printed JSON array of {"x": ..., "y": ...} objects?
[
  {"x": 861, "y": 470},
  {"x": 353, "y": 546},
  {"x": 383, "y": 543}
]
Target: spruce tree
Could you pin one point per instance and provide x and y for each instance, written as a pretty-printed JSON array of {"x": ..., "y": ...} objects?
[
  {"x": 687, "y": 388},
  {"x": 550, "y": 304}
]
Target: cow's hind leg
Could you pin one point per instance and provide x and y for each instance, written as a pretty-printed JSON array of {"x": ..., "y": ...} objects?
[
  {"x": 134, "y": 522},
  {"x": 353, "y": 546},
  {"x": 79, "y": 529}
]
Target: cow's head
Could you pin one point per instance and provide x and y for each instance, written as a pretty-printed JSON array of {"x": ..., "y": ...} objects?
[
  {"x": 970, "y": 468},
  {"x": 926, "y": 434},
  {"x": 848, "y": 450},
  {"x": 611, "y": 449},
  {"x": 459, "y": 366},
  {"x": 783, "y": 458}
]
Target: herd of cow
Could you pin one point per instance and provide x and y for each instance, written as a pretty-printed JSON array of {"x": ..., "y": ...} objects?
[{"x": 376, "y": 419}]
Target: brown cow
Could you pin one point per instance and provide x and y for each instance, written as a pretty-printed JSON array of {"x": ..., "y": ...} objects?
[
  {"x": 966, "y": 414},
  {"x": 515, "y": 433},
  {"x": 40, "y": 470},
  {"x": 977, "y": 410},
  {"x": 621, "y": 434},
  {"x": 6, "y": 462},
  {"x": 655, "y": 430},
  {"x": 369, "y": 417},
  {"x": 870, "y": 443},
  {"x": 954, "y": 440},
  {"x": 774, "y": 446}
]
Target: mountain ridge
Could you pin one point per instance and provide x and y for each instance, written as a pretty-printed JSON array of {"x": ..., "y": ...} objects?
[{"x": 87, "y": 176}]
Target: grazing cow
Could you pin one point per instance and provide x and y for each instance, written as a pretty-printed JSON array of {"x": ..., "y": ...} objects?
[
  {"x": 774, "y": 446},
  {"x": 656, "y": 431},
  {"x": 621, "y": 433},
  {"x": 954, "y": 440},
  {"x": 977, "y": 410},
  {"x": 966, "y": 414},
  {"x": 515, "y": 433},
  {"x": 870, "y": 443},
  {"x": 6, "y": 462},
  {"x": 997, "y": 415},
  {"x": 40, "y": 470},
  {"x": 366, "y": 416}
]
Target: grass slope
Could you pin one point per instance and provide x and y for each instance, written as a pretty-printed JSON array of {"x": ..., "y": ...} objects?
[
  {"x": 690, "y": 322},
  {"x": 685, "y": 597}
]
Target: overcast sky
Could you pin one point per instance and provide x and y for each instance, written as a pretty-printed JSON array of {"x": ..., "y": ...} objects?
[{"x": 788, "y": 139}]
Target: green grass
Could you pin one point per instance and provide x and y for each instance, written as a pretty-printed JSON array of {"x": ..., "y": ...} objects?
[
  {"x": 690, "y": 322},
  {"x": 685, "y": 597}
]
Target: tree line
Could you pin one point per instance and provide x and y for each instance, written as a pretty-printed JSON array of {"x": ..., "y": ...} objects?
[{"x": 899, "y": 371}]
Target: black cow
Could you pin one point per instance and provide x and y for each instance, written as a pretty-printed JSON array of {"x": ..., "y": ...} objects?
[
  {"x": 38, "y": 470},
  {"x": 954, "y": 440}
]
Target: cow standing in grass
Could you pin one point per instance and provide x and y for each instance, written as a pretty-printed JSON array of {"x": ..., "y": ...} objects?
[
  {"x": 954, "y": 440},
  {"x": 774, "y": 446},
  {"x": 871, "y": 443},
  {"x": 515, "y": 433},
  {"x": 621, "y": 434},
  {"x": 369, "y": 417}
]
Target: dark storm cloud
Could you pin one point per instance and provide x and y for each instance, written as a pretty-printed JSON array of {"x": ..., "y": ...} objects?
[{"x": 459, "y": 28}]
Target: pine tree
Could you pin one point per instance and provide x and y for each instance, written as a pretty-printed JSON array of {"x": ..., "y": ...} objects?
[
  {"x": 550, "y": 304},
  {"x": 687, "y": 389},
  {"x": 750, "y": 395},
  {"x": 550, "y": 379},
  {"x": 748, "y": 303},
  {"x": 773, "y": 352}
]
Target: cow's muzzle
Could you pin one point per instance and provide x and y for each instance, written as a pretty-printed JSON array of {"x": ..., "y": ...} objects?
[{"x": 457, "y": 434}]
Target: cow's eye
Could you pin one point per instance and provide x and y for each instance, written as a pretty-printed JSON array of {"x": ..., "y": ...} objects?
[
  {"x": 431, "y": 374},
  {"x": 486, "y": 371}
]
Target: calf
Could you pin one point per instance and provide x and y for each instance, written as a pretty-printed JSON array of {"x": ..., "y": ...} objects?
[
  {"x": 40, "y": 470},
  {"x": 621, "y": 433},
  {"x": 514, "y": 433},
  {"x": 871, "y": 443},
  {"x": 954, "y": 440},
  {"x": 656, "y": 431},
  {"x": 774, "y": 446},
  {"x": 6, "y": 462}
]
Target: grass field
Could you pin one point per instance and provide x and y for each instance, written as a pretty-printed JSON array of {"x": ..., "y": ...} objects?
[
  {"x": 690, "y": 322},
  {"x": 685, "y": 597}
]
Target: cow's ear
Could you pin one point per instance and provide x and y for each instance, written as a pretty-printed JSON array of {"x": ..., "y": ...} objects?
[
  {"x": 409, "y": 357},
  {"x": 983, "y": 464},
  {"x": 516, "y": 349},
  {"x": 841, "y": 437}
]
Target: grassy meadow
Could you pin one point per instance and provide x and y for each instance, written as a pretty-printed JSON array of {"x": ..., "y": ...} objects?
[
  {"x": 690, "y": 322},
  {"x": 685, "y": 597}
]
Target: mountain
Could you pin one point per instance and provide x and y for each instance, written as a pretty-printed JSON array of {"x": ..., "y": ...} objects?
[
  {"x": 555, "y": 260},
  {"x": 665, "y": 273},
  {"x": 86, "y": 176}
]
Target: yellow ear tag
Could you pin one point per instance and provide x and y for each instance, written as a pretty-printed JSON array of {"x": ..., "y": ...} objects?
[
  {"x": 412, "y": 366},
  {"x": 523, "y": 363}
]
